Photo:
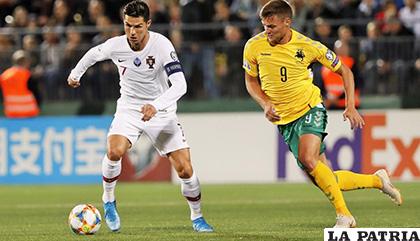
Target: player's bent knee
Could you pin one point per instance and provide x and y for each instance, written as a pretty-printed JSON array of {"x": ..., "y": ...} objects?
[
  {"x": 308, "y": 161},
  {"x": 185, "y": 172},
  {"x": 115, "y": 154}
]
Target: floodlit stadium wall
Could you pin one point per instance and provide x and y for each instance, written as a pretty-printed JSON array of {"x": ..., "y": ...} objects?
[{"x": 225, "y": 147}]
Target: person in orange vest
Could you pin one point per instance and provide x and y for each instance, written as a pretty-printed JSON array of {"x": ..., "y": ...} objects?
[
  {"x": 18, "y": 89},
  {"x": 333, "y": 84}
]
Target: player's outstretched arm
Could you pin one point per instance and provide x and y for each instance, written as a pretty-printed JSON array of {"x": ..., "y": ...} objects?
[
  {"x": 350, "y": 113},
  {"x": 95, "y": 54},
  {"x": 254, "y": 89}
]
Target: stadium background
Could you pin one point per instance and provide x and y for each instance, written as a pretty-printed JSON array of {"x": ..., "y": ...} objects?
[{"x": 230, "y": 139}]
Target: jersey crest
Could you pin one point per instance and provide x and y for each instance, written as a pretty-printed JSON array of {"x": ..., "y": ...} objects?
[
  {"x": 300, "y": 55},
  {"x": 150, "y": 61}
]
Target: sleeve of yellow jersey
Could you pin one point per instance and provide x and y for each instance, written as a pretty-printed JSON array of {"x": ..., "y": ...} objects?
[
  {"x": 328, "y": 58},
  {"x": 250, "y": 61}
]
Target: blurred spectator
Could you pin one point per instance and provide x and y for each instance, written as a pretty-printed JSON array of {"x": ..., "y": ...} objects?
[
  {"x": 51, "y": 52},
  {"x": 300, "y": 12},
  {"x": 323, "y": 32},
  {"x": 74, "y": 48},
  {"x": 6, "y": 50},
  {"x": 32, "y": 23},
  {"x": 345, "y": 34},
  {"x": 199, "y": 53},
  {"x": 254, "y": 20},
  {"x": 106, "y": 30},
  {"x": 410, "y": 16},
  {"x": 175, "y": 34},
  {"x": 222, "y": 13},
  {"x": 347, "y": 9},
  {"x": 318, "y": 10},
  {"x": 245, "y": 9},
  {"x": 100, "y": 82},
  {"x": 410, "y": 95},
  {"x": 397, "y": 55},
  {"x": 176, "y": 39},
  {"x": 159, "y": 17},
  {"x": 229, "y": 64},
  {"x": 96, "y": 8},
  {"x": 195, "y": 29},
  {"x": 101, "y": 76},
  {"x": 394, "y": 27},
  {"x": 43, "y": 10},
  {"x": 386, "y": 69},
  {"x": 114, "y": 9},
  {"x": 389, "y": 10},
  {"x": 30, "y": 45},
  {"x": 158, "y": 12},
  {"x": 20, "y": 17},
  {"x": 399, "y": 3},
  {"x": 224, "y": 17},
  {"x": 61, "y": 14},
  {"x": 174, "y": 14},
  {"x": 366, "y": 10},
  {"x": 368, "y": 44},
  {"x": 19, "y": 91},
  {"x": 370, "y": 49},
  {"x": 334, "y": 90}
]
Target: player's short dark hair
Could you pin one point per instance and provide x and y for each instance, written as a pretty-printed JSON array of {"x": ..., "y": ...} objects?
[
  {"x": 137, "y": 8},
  {"x": 276, "y": 7}
]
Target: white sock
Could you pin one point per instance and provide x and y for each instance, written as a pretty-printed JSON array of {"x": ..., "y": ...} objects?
[
  {"x": 110, "y": 171},
  {"x": 190, "y": 188}
]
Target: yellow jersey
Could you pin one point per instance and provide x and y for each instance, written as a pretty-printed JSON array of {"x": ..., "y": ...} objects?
[{"x": 283, "y": 72}]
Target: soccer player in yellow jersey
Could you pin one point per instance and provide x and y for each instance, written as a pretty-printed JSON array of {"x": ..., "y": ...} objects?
[{"x": 277, "y": 77}]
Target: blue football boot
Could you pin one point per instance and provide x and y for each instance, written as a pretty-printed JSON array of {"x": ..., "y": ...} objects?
[
  {"x": 200, "y": 225},
  {"x": 111, "y": 216}
]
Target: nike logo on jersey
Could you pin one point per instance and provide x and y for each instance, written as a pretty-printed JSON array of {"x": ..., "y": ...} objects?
[
  {"x": 266, "y": 54},
  {"x": 121, "y": 60}
]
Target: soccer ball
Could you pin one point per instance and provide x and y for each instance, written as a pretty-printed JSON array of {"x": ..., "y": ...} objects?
[{"x": 84, "y": 219}]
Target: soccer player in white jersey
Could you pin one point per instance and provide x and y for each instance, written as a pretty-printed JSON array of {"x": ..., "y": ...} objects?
[{"x": 146, "y": 61}]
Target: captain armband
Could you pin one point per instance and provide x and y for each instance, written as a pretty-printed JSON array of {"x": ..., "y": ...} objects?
[{"x": 173, "y": 67}]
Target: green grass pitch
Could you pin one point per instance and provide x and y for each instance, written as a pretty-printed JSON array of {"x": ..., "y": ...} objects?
[{"x": 286, "y": 212}]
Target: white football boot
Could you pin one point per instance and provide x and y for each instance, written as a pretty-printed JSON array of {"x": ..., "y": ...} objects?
[
  {"x": 345, "y": 222},
  {"x": 388, "y": 188}
]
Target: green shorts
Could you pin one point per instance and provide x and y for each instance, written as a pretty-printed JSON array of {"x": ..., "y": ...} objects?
[{"x": 313, "y": 122}]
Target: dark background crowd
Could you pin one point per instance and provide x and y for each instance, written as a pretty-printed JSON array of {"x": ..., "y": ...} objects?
[{"x": 382, "y": 37}]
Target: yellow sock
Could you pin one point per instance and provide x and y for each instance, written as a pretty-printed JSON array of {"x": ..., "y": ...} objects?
[
  {"x": 348, "y": 180},
  {"x": 325, "y": 179}
]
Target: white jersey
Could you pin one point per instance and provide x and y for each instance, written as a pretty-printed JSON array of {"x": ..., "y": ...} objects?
[{"x": 143, "y": 74}]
